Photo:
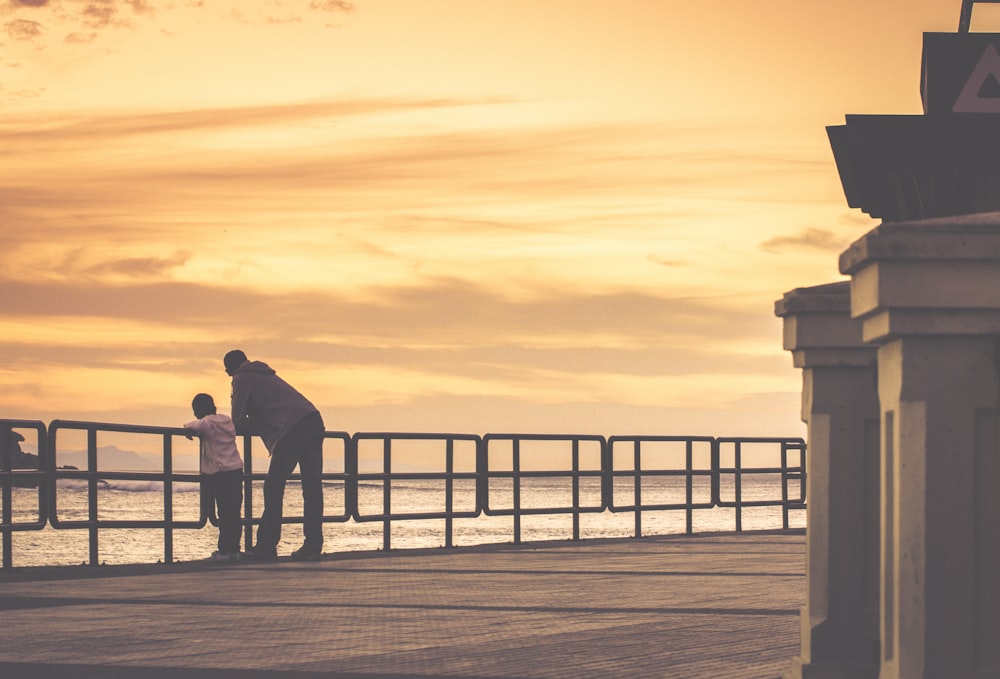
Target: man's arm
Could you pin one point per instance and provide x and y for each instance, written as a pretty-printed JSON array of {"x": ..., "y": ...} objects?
[{"x": 241, "y": 406}]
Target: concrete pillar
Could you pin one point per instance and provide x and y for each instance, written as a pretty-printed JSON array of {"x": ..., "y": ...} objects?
[
  {"x": 839, "y": 638},
  {"x": 928, "y": 295}
]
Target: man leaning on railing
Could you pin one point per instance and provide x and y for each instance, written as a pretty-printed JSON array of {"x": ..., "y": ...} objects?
[{"x": 292, "y": 430}]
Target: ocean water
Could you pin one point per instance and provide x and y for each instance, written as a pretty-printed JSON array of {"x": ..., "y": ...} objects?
[{"x": 142, "y": 500}]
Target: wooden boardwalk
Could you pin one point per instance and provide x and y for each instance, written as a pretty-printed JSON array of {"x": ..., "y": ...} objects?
[{"x": 719, "y": 606}]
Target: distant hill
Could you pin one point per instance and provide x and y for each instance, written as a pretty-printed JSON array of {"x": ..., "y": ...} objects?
[{"x": 113, "y": 458}]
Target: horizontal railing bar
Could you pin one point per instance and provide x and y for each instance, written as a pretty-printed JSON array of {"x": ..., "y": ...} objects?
[
  {"x": 125, "y": 523},
  {"x": 109, "y": 475},
  {"x": 523, "y": 511},
  {"x": 664, "y": 507},
  {"x": 119, "y": 428},
  {"x": 595, "y": 473},
  {"x": 760, "y": 503},
  {"x": 662, "y": 472},
  {"x": 415, "y": 476},
  {"x": 416, "y": 516}
]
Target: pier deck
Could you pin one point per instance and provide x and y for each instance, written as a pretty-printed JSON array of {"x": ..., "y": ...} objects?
[{"x": 723, "y": 606}]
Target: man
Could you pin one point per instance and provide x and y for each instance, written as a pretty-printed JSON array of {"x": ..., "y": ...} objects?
[{"x": 292, "y": 430}]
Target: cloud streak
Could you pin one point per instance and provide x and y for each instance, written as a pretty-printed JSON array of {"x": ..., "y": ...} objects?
[{"x": 443, "y": 313}]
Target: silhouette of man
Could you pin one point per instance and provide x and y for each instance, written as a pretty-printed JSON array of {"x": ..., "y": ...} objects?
[{"x": 292, "y": 430}]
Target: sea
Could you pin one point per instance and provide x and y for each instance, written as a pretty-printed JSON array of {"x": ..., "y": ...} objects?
[{"x": 145, "y": 500}]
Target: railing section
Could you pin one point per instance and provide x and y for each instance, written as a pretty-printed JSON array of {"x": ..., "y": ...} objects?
[
  {"x": 96, "y": 476},
  {"x": 691, "y": 460},
  {"x": 18, "y": 470},
  {"x": 337, "y": 453},
  {"x": 514, "y": 475},
  {"x": 511, "y": 462},
  {"x": 791, "y": 473},
  {"x": 384, "y": 453}
]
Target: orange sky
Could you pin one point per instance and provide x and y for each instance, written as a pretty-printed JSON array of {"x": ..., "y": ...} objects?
[{"x": 523, "y": 216}]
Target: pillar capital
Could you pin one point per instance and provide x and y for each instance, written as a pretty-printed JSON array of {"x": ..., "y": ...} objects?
[
  {"x": 818, "y": 329},
  {"x": 935, "y": 277}
]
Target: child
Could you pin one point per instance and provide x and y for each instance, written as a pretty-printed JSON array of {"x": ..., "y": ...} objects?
[{"x": 222, "y": 469}]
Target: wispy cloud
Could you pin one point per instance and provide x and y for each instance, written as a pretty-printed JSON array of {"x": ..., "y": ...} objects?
[
  {"x": 810, "y": 238},
  {"x": 332, "y": 5},
  {"x": 142, "y": 267},
  {"x": 70, "y": 130},
  {"x": 80, "y": 38},
  {"x": 23, "y": 29},
  {"x": 68, "y": 17}
]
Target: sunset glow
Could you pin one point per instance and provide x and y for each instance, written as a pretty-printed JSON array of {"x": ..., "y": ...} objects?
[{"x": 449, "y": 215}]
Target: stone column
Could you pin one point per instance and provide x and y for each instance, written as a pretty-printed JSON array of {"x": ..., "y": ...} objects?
[
  {"x": 928, "y": 295},
  {"x": 839, "y": 638}
]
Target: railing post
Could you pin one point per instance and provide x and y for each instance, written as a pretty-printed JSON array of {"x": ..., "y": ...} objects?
[
  {"x": 689, "y": 485},
  {"x": 607, "y": 477},
  {"x": 92, "y": 494},
  {"x": 247, "y": 493},
  {"x": 6, "y": 516},
  {"x": 716, "y": 473},
  {"x": 576, "y": 489},
  {"x": 449, "y": 489},
  {"x": 387, "y": 493},
  {"x": 784, "y": 485},
  {"x": 637, "y": 486},
  {"x": 738, "y": 485},
  {"x": 516, "y": 488},
  {"x": 351, "y": 482},
  {"x": 168, "y": 499}
]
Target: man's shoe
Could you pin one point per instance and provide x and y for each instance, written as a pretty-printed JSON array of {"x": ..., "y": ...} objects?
[
  {"x": 228, "y": 557},
  {"x": 304, "y": 553},
  {"x": 258, "y": 554}
]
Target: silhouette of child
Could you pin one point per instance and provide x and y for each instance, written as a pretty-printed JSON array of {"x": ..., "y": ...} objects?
[{"x": 222, "y": 470}]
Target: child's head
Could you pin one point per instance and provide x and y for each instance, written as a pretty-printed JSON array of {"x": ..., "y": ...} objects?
[{"x": 203, "y": 405}]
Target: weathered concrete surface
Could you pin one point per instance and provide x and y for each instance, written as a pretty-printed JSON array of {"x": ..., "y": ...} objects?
[
  {"x": 840, "y": 622},
  {"x": 719, "y": 606}
]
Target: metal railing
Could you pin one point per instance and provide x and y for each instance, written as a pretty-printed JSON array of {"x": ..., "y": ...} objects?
[
  {"x": 617, "y": 474},
  {"x": 347, "y": 477},
  {"x": 94, "y": 476},
  {"x": 688, "y": 470},
  {"x": 786, "y": 472},
  {"x": 24, "y": 477},
  {"x": 517, "y": 475},
  {"x": 387, "y": 476}
]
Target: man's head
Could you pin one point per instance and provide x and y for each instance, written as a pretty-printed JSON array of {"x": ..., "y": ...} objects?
[
  {"x": 202, "y": 405},
  {"x": 233, "y": 360}
]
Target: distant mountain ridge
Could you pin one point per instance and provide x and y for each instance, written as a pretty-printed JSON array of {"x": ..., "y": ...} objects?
[{"x": 113, "y": 458}]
